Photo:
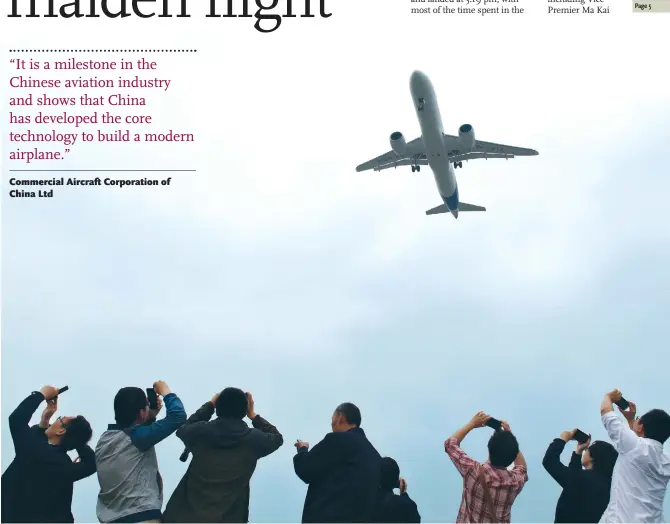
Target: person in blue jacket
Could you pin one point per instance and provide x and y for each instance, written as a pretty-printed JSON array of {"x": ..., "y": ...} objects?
[{"x": 131, "y": 487}]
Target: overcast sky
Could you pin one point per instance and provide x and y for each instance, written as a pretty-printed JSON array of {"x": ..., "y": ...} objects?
[{"x": 279, "y": 269}]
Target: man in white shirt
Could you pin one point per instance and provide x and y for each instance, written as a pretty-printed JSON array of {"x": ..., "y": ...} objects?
[{"x": 642, "y": 470}]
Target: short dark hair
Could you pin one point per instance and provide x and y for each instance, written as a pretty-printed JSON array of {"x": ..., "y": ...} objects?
[
  {"x": 128, "y": 403},
  {"x": 603, "y": 457},
  {"x": 389, "y": 474},
  {"x": 350, "y": 412},
  {"x": 78, "y": 432},
  {"x": 656, "y": 425},
  {"x": 503, "y": 448},
  {"x": 232, "y": 403}
]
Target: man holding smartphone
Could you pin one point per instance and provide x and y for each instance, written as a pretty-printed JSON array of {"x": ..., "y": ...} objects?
[
  {"x": 642, "y": 470},
  {"x": 37, "y": 486},
  {"x": 131, "y": 487},
  {"x": 489, "y": 489}
]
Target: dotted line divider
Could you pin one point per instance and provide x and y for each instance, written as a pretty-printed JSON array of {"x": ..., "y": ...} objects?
[{"x": 103, "y": 50}]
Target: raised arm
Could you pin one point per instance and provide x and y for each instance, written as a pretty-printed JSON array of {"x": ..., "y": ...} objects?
[
  {"x": 145, "y": 437},
  {"x": 607, "y": 405},
  {"x": 520, "y": 469},
  {"x": 622, "y": 436},
  {"x": 19, "y": 420},
  {"x": 190, "y": 431},
  {"x": 576, "y": 457},
  {"x": 520, "y": 462},
  {"x": 478, "y": 421},
  {"x": 49, "y": 411},
  {"x": 266, "y": 439},
  {"x": 629, "y": 414},
  {"x": 552, "y": 461},
  {"x": 452, "y": 446}
]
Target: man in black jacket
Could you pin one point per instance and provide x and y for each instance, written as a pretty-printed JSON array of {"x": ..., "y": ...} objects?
[
  {"x": 392, "y": 507},
  {"x": 38, "y": 484},
  {"x": 342, "y": 471}
]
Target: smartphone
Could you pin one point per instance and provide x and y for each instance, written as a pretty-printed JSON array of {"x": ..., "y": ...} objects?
[
  {"x": 62, "y": 390},
  {"x": 153, "y": 398},
  {"x": 622, "y": 403},
  {"x": 494, "y": 423},
  {"x": 581, "y": 437}
]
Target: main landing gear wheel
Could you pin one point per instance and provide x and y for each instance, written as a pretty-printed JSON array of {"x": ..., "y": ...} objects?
[
  {"x": 416, "y": 168},
  {"x": 458, "y": 164}
]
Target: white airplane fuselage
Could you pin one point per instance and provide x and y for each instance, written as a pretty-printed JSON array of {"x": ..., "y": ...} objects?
[{"x": 432, "y": 134}]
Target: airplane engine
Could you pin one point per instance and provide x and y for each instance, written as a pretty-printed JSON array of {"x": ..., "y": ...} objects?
[
  {"x": 398, "y": 143},
  {"x": 467, "y": 137}
]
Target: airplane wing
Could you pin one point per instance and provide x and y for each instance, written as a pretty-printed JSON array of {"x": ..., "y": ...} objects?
[
  {"x": 420, "y": 161},
  {"x": 414, "y": 154},
  {"x": 472, "y": 156},
  {"x": 484, "y": 149}
]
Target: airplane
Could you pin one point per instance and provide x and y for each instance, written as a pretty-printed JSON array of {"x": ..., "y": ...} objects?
[{"x": 443, "y": 153}]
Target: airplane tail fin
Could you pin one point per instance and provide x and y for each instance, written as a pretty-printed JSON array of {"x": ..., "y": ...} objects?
[
  {"x": 442, "y": 208},
  {"x": 470, "y": 207}
]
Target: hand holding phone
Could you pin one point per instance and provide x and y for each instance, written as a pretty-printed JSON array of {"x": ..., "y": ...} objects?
[
  {"x": 581, "y": 437},
  {"x": 63, "y": 390},
  {"x": 494, "y": 424},
  {"x": 622, "y": 403},
  {"x": 152, "y": 396}
]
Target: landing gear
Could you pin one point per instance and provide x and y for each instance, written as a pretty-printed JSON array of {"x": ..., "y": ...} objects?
[
  {"x": 416, "y": 168},
  {"x": 458, "y": 164},
  {"x": 422, "y": 103}
]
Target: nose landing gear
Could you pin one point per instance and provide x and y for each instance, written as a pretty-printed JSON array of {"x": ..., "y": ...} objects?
[{"x": 422, "y": 103}]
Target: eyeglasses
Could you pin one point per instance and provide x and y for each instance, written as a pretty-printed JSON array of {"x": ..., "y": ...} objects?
[{"x": 60, "y": 419}]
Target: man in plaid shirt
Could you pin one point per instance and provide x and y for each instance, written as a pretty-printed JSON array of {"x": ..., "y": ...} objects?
[{"x": 503, "y": 484}]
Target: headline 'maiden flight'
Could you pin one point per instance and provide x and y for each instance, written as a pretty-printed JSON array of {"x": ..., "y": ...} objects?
[{"x": 79, "y": 9}]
